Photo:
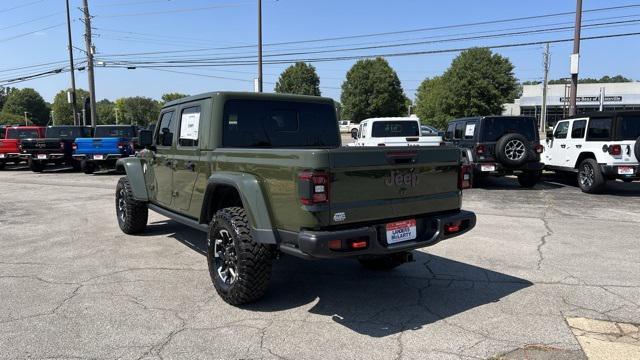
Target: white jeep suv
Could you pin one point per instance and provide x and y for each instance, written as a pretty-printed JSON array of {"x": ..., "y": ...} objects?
[{"x": 598, "y": 147}]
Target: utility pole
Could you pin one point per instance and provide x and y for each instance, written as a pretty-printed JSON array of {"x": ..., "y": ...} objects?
[
  {"x": 543, "y": 113},
  {"x": 73, "y": 75},
  {"x": 575, "y": 59},
  {"x": 87, "y": 40},
  {"x": 259, "y": 45}
]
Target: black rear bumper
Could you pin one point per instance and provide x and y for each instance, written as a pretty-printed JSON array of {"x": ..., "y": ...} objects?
[
  {"x": 502, "y": 170},
  {"x": 430, "y": 231},
  {"x": 611, "y": 172}
]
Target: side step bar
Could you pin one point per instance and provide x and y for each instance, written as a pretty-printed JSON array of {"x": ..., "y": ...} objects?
[{"x": 179, "y": 218}]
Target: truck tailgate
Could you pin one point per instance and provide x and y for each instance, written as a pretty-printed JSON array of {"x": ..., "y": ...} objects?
[
  {"x": 90, "y": 146},
  {"x": 369, "y": 184}
]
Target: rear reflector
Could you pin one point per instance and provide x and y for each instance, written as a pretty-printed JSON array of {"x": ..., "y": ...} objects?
[
  {"x": 359, "y": 244},
  {"x": 335, "y": 244},
  {"x": 452, "y": 227},
  {"x": 539, "y": 149}
]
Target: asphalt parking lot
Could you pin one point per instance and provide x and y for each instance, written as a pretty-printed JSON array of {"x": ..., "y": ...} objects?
[{"x": 73, "y": 286}]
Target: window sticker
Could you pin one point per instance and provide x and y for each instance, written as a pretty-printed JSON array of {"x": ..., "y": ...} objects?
[
  {"x": 470, "y": 130},
  {"x": 189, "y": 126}
]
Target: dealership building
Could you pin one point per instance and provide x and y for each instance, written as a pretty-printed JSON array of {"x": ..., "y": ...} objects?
[{"x": 617, "y": 96}]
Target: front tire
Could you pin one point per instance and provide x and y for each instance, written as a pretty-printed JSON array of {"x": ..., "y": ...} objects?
[
  {"x": 240, "y": 268},
  {"x": 132, "y": 214},
  {"x": 529, "y": 179},
  {"x": 590, "y": 178}
]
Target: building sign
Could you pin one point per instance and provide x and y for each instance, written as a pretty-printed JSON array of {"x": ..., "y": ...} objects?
[{"x": 593, "y": 99}]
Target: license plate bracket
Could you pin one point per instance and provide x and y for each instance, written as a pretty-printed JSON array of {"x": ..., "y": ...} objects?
[
  {"x": 98, "y": 157},
  {"x": 487, "y": 167},
  {"x": 42, "y": 156},
  {"x": 401, "y": 231}
]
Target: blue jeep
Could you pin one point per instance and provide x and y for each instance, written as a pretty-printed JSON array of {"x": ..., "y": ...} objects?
[{"x": 110, "y": 143}]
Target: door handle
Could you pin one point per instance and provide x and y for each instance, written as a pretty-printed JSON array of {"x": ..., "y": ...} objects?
[
  {"x": 578, "y": 146},
  {"x": 190, "y": 166},
  {"x": 563, "y": 146}
]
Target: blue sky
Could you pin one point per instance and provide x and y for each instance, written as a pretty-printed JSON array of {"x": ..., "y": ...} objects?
[{"x": 180, "y": 26}]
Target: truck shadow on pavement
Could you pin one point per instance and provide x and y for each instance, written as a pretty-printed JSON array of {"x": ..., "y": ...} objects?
[{"x": 377, "y": 304}]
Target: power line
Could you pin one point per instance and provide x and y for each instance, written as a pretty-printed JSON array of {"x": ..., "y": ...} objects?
[
  {"x": 386, "y": 55},
  {"x": 20, "y": 6},
  {"x": 382, "y": 33},
  {"x": 519, "y": 33},
  {"x": 220, "y": 6},
  {"x": 30, "y": 21},
  {"x": 30, "y": 32}
]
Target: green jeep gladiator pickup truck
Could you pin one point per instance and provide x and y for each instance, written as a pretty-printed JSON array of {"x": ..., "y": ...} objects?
[{"x": 265, "y": 174}]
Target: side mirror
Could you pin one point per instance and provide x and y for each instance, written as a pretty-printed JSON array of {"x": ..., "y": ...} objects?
[
  {"x": 354, "y": 135},
  {"x": 550, "y": 134},
  {"x": 145, "y": 137}
]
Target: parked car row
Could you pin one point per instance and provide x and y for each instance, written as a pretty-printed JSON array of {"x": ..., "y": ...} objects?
[
  {"x": 593, "y": 149},
  {"x": 75, "y": 146}
]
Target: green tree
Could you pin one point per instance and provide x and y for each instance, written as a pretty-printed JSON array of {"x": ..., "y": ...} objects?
[
  {"x": 106, "y": 112},
  {"x": 137, "y": 110},
  {"x": 172, "y": 96},
  {"x": 300, "y": 78},
  {"x": 27, "y": 100},
  {"x": 63, "y": 111},
  {"x": 11, "y": 119},
  {"x": 478, "y": 82},
  {"x": 372, "y": 89},
  {"x": 4, "y": 93},
  {"x": 430, "y": 99}
]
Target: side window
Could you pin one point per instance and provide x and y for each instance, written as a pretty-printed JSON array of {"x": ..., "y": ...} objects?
[
  {"x": 578, "y": 129},
  {"x": 189, "y": 125},
  {"x": 561, "y": 130},
  {"x": 448, "y": 135},
  {"x": 599, "y": 129},
  {"x": 364, "y": 130},
  {"x": 470, "y": 130},
  {"x": 164, "y": 135},
  {"x": 459, "y": 131}
]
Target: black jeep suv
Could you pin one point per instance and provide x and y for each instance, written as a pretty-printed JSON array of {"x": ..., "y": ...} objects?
[{"x": 499, "y": 145}]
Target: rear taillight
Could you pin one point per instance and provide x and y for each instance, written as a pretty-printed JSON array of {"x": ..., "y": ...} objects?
[
  {"x": 464, "y": 179},
  {"x": 615, "y": 150},
  {"x": 313, "y": 187},
  {"x": 480, "y": 149},
  {"x": 539, "y": 149},
  {"x": 120, "y": 145},
  {"x": 74, "y": 146}
]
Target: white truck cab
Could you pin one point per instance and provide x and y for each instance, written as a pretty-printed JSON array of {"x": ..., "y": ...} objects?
[
  {"x": 393, "y": 131},
  {"x": 598, "y": 147},
  {"x": 346, "y": 126}
]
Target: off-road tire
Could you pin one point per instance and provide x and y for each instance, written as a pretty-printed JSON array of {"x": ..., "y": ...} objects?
[
  {"x": 382, "y": 263},
  {"x": 529, "y": 179},
  {"x": 87, "y": 167},
  {"x": 590, "y": 178},
  {"x": 504, "y": 146},
  {"x": 35, "y": 166},
  {"x": 636, "y": 149},
  {"x": 354, "y": 133},
  {"x": 132, "y": 214},
  {"x": 252, "y": 260}
]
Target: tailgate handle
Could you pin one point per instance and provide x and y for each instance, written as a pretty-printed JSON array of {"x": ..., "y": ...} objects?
[{"x": 401, "y": 157}]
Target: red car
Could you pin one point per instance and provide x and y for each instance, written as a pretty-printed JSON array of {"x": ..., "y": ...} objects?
[{"x": 10, "y": 142}]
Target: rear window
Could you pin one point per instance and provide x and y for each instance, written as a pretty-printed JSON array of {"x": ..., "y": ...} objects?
[
  {"x": 494, "y": 128},
  {"x": 599, "y": 129},
  {"x": 279, "y": 124},
  {"x": 22, "y": 134},
  {"x": 67, "y": 132},
  {"x": 629, "y": 127},
  {"x": 381, "y": 129},
  {"x": 115, "y": 132},
  {"x": 449, "y": 133}
]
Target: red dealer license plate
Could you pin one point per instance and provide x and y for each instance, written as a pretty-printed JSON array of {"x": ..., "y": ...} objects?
[
  {"x": 625, "y": 170},
  {"x": 401, "y": 231}
]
